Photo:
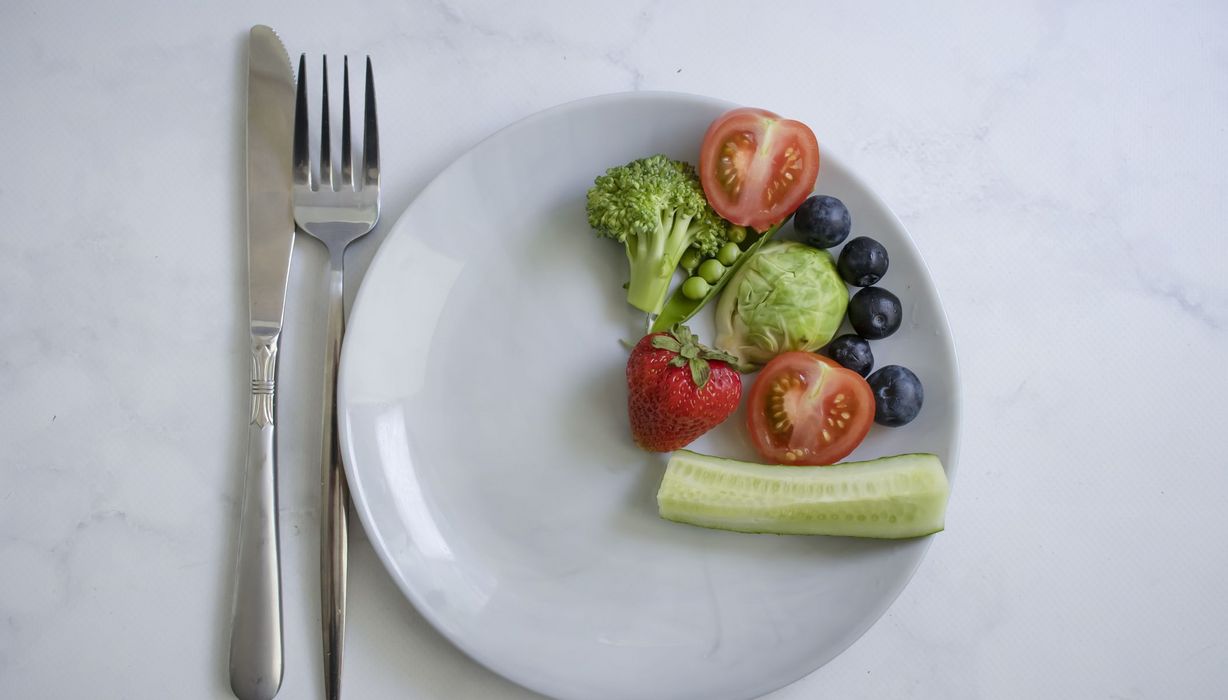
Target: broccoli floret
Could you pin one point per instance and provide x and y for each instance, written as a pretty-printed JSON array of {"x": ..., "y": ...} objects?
[{"x": 656, "y": 208}]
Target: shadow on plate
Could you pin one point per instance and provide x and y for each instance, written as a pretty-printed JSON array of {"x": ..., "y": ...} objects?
[{"x": 402, "y": 650}]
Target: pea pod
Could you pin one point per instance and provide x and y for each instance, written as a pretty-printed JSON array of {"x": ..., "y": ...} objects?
[{"x": 679, "y": 309}]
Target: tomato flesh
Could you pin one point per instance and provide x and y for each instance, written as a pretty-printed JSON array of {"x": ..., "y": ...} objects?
[
  {"x": 806, "y": 409},
  {"x": 757, "y": 168}
]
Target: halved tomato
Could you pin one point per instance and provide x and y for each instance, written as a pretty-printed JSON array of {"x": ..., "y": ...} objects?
[
  {"x": 756, "y": 168},
  {"x": 806, "y": 409}
]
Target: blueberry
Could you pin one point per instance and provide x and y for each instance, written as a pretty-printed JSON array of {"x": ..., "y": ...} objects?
[
  {"x": 822, "y": 221},
  {"x": 853, "y": 352},
  {"x": 875, "y": 313},
  {"x": 897, "y": 395},
  {"x": 863, "y": 261}
]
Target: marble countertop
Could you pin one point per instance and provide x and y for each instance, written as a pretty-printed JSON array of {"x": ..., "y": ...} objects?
[{"x": 1060, "y": 165}]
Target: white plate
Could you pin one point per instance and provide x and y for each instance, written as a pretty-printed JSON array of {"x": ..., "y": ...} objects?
[{"x": 483, "y": 422}]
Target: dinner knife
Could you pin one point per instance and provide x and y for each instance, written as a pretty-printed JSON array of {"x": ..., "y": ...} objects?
[{"x": 256, "y": 631}]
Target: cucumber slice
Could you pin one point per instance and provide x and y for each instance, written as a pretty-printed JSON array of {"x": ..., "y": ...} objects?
[{"x": 890, "y": 498}]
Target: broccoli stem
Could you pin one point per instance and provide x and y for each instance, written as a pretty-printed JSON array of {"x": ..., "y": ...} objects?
[{"x": 653, "y": 262}]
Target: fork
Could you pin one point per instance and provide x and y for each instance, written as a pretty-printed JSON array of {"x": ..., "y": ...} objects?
[{"x": 335, "y": 213}]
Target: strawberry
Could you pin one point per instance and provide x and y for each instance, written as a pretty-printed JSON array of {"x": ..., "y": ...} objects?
[{"x": 678, "y": 389}]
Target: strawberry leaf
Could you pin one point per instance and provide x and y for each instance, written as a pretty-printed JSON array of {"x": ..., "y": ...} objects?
[
  {"x": 709, "y": 354},
  {"x": 666, "y": 342},
  {"x": 700, "y": 372}
]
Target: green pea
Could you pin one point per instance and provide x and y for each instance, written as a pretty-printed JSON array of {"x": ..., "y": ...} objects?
[
  {"x": 695, "y": 288},
  {"x": 729, "y": 254},
  {"x": 690, "y": 259},
  {"x": 737, "y": 234},
  {"x": 711, "y": 270}
]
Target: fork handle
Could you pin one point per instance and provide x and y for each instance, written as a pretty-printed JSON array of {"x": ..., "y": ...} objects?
[
  {"x": 334, "y": 521},
  {"x": 256, "y": 632}
]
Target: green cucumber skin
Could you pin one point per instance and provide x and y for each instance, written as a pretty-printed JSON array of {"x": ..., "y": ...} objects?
[{"x": 897, "y": 497}]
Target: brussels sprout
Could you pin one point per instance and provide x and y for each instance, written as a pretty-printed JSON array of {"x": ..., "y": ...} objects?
[{"x": 788, "y": 296}]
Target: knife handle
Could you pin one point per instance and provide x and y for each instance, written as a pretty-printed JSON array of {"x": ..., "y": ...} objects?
[{"x": 256, "y": 632}]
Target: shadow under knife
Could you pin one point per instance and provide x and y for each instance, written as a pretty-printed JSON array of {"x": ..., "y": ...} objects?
[{"x": 235, "y": 440}]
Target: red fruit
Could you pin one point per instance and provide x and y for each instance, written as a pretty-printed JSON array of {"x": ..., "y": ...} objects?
[{"x": 678, "y": 390}]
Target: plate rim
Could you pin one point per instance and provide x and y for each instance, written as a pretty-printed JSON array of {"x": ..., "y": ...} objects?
[{"x": 361, "y": 504}]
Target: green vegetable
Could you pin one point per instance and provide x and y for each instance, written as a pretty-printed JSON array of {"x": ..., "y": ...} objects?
[
  {"x": 695, "y": 288},
  {"x": 891, "y": 498},
  {"x": 711, "y": 270},
  {"x": 680, "y": 308},
  {"x": 656, "y": 208},
  {"x": 737, "y": 234},
  {"x": 728, "y": 253},
  {"x": 788, "y": 296},
  {"x": 690, "y": 260}
]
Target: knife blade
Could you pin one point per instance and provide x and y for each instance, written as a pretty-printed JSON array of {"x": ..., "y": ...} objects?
[{"x": 256, "y": 631}]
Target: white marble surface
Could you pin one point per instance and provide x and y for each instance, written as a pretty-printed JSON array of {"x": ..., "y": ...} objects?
[{"x": 1061, "y": 166}]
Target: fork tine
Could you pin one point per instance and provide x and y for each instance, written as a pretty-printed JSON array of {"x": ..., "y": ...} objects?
[
  {"x": 370, "y": 134},
  {"x": 302, "y": 151},
  {"x": 326, "y": 147},
  {"x": 347, "y": 158}
]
